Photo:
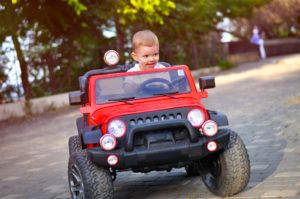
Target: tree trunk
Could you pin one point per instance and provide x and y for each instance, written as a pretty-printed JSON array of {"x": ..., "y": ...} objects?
[
  {"x": 194, "y": 52},
  {"x": 51, "y": 63},
  {"x": 120, "y": 39},
  {"x": 23, "y": 66}
]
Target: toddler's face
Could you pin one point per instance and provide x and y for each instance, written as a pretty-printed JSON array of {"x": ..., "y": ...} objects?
[{"x": 147, "y": 56}]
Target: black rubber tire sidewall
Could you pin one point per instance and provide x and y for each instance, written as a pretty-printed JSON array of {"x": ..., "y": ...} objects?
[
  {"x": 97, "y": 181},
  {"x": 235, "y": 169}
]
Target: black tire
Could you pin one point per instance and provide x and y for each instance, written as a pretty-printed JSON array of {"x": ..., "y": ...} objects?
[
  {"x": 74, "y": 144},
  {"x": 193, "y": 169},
  {"x": 87, "y": 181},
  {"x": 229, "y": 171}
]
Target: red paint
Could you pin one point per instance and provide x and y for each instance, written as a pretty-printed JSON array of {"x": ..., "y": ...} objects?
[{"x": 103, "y": 113}]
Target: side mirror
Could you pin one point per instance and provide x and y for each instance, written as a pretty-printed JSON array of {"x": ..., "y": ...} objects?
[
  {"x": 207, "y": 82},
  {"x": 76, "y": 98}
]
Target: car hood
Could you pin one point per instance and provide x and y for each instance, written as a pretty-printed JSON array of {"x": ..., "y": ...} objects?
[{"x": 120, "y": 109}]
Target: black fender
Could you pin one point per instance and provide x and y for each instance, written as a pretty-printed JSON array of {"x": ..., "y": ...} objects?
[
  {"x": 91, "y": 137},
  {"x": 80, "y": 126},
  {"x": 218, "y": 117},
  {"x": 87, "y": 134}
]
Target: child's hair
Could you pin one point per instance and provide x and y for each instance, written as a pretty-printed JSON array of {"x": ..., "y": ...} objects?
[{"x": 144, "y": 38}]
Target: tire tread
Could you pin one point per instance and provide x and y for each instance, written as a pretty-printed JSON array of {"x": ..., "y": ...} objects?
[
  {"x": 97, "y": 180},
  {"x": 235, "y": 172}
]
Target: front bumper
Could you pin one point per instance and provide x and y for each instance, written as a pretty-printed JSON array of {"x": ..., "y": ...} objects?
[{"x": 139, "y": 157}]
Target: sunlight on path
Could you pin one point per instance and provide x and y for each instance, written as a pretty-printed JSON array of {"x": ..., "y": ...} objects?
[{"x": 273, "y": 69}]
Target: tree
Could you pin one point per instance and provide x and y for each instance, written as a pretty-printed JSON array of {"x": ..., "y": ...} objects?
[
  {"x": 24, "y": 15},
  {"x": 276, "y": 18},
  {"x": 193, "y": 24},
  {"x": 11, "y": 13},
  {"x": 6, "y": 89},
  {"x": 123, "y": 15},
  {"x": 279, "y": 18},
  {"x": 67, "y": 37}
]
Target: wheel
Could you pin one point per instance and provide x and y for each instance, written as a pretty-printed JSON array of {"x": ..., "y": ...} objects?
[
  {"x": 228, "y": 173},
  {"x": 180, "y": 84},
  {"x": 179, "y": 81},
  {"x": 74, "y": 144},
  {"x": 193, "y": 169},
  {"x": 87, "y": 180}
]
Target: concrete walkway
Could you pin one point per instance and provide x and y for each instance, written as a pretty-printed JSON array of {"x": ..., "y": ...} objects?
[{"x": 261, "y": 100}]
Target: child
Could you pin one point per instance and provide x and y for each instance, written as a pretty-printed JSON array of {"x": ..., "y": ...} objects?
[{"x": 145, "y": 50}]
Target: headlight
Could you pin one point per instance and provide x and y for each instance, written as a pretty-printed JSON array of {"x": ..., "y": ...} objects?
[
  {"x": 116, "y": 128},
  {"x": 108, "y": 142},
  {"x": 210, "y": 128},
  {"x": 195, "y": 117}
]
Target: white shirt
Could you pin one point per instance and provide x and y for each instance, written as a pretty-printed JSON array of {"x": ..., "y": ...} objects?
[{"x": 137, "y": 67}]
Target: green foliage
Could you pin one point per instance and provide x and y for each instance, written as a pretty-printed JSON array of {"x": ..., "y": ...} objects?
[
  {"x": 225, "y": 64},
  {"x": 78, "y": 7},
  {"x": 280, "y": 32},
  {"x": 152, "y": 11},
  {"x": 67, "y": 37}
]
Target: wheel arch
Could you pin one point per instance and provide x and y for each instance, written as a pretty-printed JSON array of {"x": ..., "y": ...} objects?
[
  {"x": 220, "y": 118},
  {"x": 87, "y": 134}
]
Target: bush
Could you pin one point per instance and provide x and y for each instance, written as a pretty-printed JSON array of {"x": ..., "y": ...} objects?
[{"x": 225, "y": 64}]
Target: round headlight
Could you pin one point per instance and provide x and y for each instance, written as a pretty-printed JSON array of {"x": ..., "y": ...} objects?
[
  {"x": 116, "y": 128},
  {"x": 196, "y": 117},
  {"x": 108, "y": 142},
  {"x": 210, "y": 128}
]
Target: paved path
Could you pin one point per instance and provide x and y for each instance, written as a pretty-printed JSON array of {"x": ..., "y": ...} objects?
[{"x": 261, "y": 99}]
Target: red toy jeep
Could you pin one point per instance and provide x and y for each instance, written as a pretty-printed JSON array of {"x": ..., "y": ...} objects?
[{"x": 151, "y": 120}]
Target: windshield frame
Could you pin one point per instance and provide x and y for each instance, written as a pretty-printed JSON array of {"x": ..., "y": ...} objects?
[{"x": 93, "y": 80}]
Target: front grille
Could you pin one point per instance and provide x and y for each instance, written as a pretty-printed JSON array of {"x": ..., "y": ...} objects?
[
  {"x": 163, "y": 137},
  {"x": 156, "y": 116}
]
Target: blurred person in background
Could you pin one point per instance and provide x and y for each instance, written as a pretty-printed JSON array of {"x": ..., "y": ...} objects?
[{"x": 258, "y": 40}]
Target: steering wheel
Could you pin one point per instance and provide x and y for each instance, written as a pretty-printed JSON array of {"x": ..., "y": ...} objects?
[
  {"x": 178, "y": 81},
  {"x": 155, "y": 85}
]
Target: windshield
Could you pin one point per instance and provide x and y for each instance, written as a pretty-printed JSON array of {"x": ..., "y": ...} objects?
[{"x": 124, "y": 88}]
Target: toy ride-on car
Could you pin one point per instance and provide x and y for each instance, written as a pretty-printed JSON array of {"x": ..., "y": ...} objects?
[{"x": 151, "y": 121}]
